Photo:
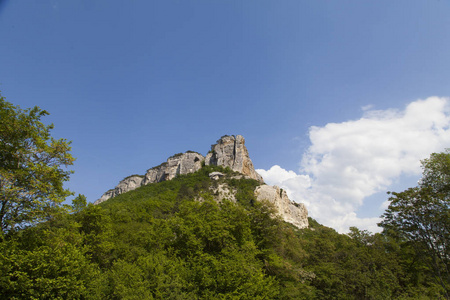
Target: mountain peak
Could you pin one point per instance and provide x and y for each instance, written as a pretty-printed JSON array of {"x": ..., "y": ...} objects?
[{"x": 229, "y": 151}]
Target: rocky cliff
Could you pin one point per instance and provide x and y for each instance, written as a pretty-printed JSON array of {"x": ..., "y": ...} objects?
[
  {"x": 229, "y": 151},
  {"x": 289, "y": 211},
  {"x": 178, "y": 164},
  {"x": 125, "y": 185}
]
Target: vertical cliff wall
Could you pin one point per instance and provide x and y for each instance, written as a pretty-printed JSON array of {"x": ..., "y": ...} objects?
[{"x": 230, "y": 151}]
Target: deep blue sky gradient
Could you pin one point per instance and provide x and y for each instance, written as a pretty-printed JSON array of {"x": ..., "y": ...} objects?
[{"x": 133, "y": 82}]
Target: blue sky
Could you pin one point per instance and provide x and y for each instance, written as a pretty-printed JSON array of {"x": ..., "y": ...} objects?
[{"x": 309, "y": 84}]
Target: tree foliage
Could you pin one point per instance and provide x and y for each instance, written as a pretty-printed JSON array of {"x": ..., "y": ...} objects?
[
  {"x": 160, "y": 242},
  {"x": 421, "y": 216},
  {"x": 32, "y": 167},
  {"x": 172, "y": 240},
  {"x": 436, "y": 173}
]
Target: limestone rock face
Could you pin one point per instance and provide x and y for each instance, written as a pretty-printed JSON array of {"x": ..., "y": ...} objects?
[
  {"x": 230, "y": 151},
  {"x": 179, "y": 164},
  {"x": 291, "y": 212},
  {"x": 221, "y": 192},
  {"x": 127, "y": 184},
  {"x": 216, "y": 175},
  {"x": 183, "y": 163}
]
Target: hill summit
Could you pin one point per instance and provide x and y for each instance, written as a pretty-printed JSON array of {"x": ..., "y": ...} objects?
[{"x": 228, "y": 152}]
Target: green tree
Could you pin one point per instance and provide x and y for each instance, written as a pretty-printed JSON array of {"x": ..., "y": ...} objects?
[
  {"x": 47, "y": 264},
  {"x": 421, "y": 216},
  {"x": 32, "y": 168},
  {"x": 79, "y": 203},
  {"x": 436, "y": 173}
]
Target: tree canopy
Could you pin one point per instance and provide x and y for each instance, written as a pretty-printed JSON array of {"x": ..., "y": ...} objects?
[
  {"x": 421, "y": 216},
  {"x": 172, "y": 240},
  {"x": 33, "y": 167}
]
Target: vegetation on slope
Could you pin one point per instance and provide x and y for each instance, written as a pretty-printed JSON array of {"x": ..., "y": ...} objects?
[
  {"x": 159, "y": 242},
  {"x": 171, "y": 240}
]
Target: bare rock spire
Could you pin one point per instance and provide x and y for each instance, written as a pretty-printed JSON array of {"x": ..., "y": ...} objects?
[{"x": 230, "y": 151}]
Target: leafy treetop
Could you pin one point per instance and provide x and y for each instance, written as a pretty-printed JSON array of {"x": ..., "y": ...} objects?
[
  {"x": 421, "y": 216},
  {"x": 32, "y": 167}
]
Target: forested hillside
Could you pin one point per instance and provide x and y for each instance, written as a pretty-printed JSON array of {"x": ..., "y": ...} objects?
[
  {"x": 172, "y": 240},
  {"x": 159, "y": 242}
]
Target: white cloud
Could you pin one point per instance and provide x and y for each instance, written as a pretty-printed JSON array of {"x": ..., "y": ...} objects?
[
  {"x": 349, "y": 161},
  {"x": 277, "y": 174}
]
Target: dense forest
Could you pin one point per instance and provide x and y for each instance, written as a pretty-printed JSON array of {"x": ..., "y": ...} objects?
[{"x": 171, "y": 240}]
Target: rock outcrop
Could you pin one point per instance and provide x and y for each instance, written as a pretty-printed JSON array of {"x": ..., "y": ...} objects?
[
  {"x": 230, "y": 151},
  {"x": 291, "y": 212},
  {"x": 216, "y": 175},
  {"x": 178, "y": 164},
  {"x": 125, "y": 185},
  {"x": 221, "y": 192}
]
